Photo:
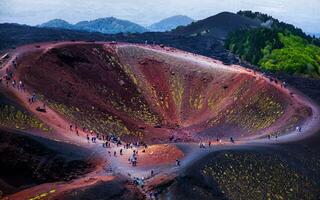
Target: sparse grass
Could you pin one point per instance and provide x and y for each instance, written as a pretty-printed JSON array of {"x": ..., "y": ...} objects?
[
  {"x": 292, "y": 123},
  {"x": 253, "y": 176},
  {"x": 258, "y": 112},
  {"x": 95, "y": 120},
  {"x": 12, "y": 117},
  {"x": 177, "y": 90},
  {"x": 141, "y": 110}
]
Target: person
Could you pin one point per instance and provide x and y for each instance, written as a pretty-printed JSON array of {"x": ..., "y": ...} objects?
[
  {"x": 70, "y": 127},
  {"x": 88, "y": 138},
  {"x": 142, "y": 182},
  {"x": 118, "y": 143},
  {"x": 77, "y": 132},
  {"x": 209, "y": 143},
  {"x": 120, "y": 152},
  {"x": 152, "y": 172},
  {"x": 115, "y": 154},
  {"x": 178, "y": 162},
  {"x": 133, "y": 161},
  {"x": 284, "y": 84},
  {"x": 14, "y": 83},
  {"x": 20, "y": 86},
  {"x": 202, "y": 145},
  {"x": 232, "y": 140},
  {"x": 33, "y": 97},
  {"x": 298, "y": 129}
]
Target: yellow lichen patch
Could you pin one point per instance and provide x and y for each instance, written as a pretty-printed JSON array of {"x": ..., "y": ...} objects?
[
  {"x": 128, "y": 70},
  {"x": 96, "y": 121},
  {"x": 255, "y": 176},
  {"x": 177, "y": 90},
  {"x": 260, "y": 112},
  {"x": 196, "y": 101},
  {"x": 291, "y": 123},
  {"x": 141, "y": 111},
  {"x": 215, "y": 99},
  {"x": 12, "y": 117},
  {"x": 43, "y": 195}
]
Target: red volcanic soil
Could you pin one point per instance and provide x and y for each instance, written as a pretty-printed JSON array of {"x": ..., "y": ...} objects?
[
  {"x": 157, "y": 94},
  {"x": 154, "y": 155},
  {"x": 160, "y": 154},
  {"x": 152, "y": 94}
]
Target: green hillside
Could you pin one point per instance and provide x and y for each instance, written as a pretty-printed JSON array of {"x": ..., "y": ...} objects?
[{"x": 276, "y": 46}]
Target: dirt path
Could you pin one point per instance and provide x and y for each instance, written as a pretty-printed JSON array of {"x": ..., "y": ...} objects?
[{"x": 186, "y": 152}]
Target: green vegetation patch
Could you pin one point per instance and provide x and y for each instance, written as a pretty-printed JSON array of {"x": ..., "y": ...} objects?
[
  {"x": 276, "y": 46},
  {"x": 297, "y": 56}
]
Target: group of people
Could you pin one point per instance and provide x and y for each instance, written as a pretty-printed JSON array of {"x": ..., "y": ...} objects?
[
  {"x": 108, "y": 140},
  {"x": 32, "y": 98},
  {"x": 19, "y": 86},
  {"x": 139, "y": 181},
  {"x": 9, "y": 76},
  {"x": 218, "y": 140},
  {"x": 202, "y": 145}
]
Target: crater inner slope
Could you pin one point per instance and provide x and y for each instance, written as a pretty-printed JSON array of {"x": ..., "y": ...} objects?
[{"x": 157, "y": 94}]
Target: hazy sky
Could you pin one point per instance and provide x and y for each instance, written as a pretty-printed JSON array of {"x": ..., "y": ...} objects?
[{"x": 302, "y": 13}]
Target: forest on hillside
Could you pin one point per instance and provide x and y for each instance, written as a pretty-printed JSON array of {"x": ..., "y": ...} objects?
[{"x": 276, "y": 46}]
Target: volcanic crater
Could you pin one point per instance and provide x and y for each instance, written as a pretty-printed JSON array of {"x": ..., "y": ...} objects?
[{"x": 157, "y": 94}]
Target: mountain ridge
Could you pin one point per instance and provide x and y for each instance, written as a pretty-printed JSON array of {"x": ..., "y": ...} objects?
[
  {"x": 218, "y": 26},
  {"x": 107, "y": 25},
  {"x": 170, "y": 23}
]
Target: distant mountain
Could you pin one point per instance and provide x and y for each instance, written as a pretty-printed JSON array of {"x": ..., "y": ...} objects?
[
  {"x": 57, "y": 23},
  {"x": 170, "y": 23},
  {"x": 108, "y": 25},
  {"x": 218, "y": 26},
  {"x": 317, "y": 35}
]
